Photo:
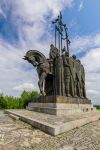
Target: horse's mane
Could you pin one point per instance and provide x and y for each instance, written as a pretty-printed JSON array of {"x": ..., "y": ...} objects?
[{"x": 37, "y": 54}]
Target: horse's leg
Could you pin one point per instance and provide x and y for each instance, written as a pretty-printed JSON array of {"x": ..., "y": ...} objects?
[{"x": 40, "y": 83}]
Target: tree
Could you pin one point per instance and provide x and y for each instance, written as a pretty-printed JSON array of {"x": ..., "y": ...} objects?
[{"x": 10, "y": 102}]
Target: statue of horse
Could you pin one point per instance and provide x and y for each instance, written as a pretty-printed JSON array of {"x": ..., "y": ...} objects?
[{"x": 38, "y": 60}]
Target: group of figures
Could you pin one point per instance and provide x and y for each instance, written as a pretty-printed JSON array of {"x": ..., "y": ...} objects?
[
  {"x": 73, "y": 73},
  {"x": 58, "y": 75}
]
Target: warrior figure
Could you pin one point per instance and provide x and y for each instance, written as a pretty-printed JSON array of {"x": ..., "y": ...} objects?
[
  {"x": 83, "y": 81},
  {"x": 67, "y": 73},
  {"x": 78, "y": 76},
  {"x": 53, "y": 52},
  {"x": 74, "y": 71}
]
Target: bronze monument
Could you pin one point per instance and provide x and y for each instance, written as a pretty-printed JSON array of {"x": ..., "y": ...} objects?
[{"x": 60, "y": 74}]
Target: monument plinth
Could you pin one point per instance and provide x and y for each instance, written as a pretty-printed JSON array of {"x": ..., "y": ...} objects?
[
  {"x": 60, "y": 105},
  {"x": 61, "y": 99}
]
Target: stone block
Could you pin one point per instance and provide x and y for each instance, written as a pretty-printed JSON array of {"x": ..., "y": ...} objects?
[
  {"x": 57, "y": 125},
  {"x": 61, "y": 99},
  {"x": 59, "y": 108}
]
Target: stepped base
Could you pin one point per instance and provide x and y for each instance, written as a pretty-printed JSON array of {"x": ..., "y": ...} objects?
[
  {"x": 60, "y": 105},
  {"x": 53, "y": 124}
]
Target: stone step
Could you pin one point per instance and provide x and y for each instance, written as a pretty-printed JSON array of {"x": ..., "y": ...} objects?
[
  {"x": 52, "y": 124},
  {"x": 14, "y": 117}
]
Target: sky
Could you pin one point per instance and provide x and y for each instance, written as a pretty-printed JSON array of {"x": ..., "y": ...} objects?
[{"x": 26, "y": 24}]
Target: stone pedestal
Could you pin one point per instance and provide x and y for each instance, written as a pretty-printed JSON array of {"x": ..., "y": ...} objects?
[{"x": 60, "y": 105}]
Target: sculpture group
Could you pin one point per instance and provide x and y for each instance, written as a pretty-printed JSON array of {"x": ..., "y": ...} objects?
[{"x": 60, "y": 74}]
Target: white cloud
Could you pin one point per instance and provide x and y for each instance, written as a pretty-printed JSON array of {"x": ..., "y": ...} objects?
[
  {"x": 0, "y": 91},
  {"x": 2, "y": 13},
  {"x": 81, "y": 5},
  {"x": 93, "y": 92},
  {"x": 91, "y": 63},
  {"x": 24, "y": 86},
  {"x": 85, "y": 43},
  {"x": 14, "y": 70}
]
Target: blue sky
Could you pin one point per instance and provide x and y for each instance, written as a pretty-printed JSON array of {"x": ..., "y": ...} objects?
[
  {"x": 82, "y": 19},
  {"x": 26, "y": 25},
  {"x": 85, "y": 17}
]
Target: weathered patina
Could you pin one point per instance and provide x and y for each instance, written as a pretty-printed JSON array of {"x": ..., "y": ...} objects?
[{"x": 60, "y": 74}]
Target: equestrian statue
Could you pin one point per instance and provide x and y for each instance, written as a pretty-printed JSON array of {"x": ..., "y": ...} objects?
[{"x": 61, "y": 74}]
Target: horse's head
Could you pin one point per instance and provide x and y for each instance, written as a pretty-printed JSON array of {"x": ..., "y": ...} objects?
[
  {"x": 35, "y": 57},
  {"x": 31, "y": 58}
]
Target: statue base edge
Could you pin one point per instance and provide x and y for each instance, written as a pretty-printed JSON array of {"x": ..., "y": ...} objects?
[
  {"x": 61, "y": 99},
  {"x": 60, "y": 105}
]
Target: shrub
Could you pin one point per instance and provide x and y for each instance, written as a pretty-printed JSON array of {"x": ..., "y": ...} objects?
[
  {"x": 97, "y": 107},
  {"x": 10, "y": 102},
  {"x": 26, "y": 97}
]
